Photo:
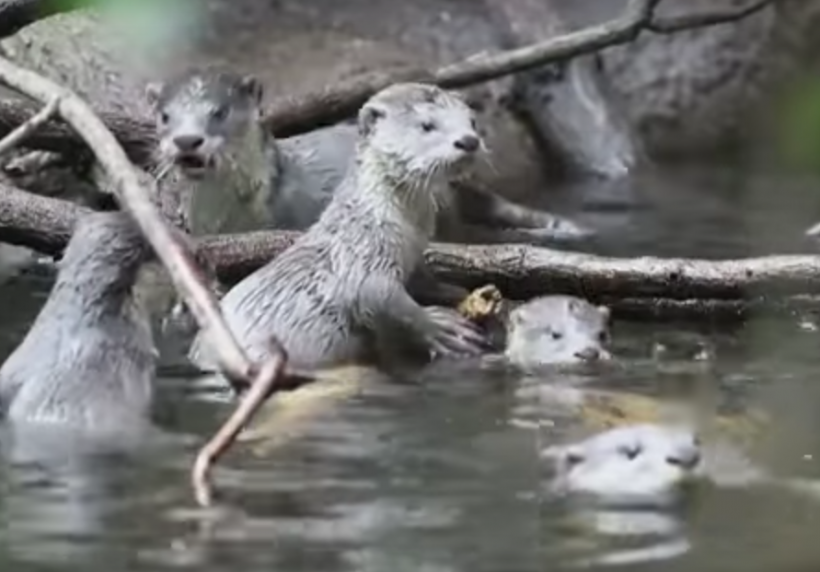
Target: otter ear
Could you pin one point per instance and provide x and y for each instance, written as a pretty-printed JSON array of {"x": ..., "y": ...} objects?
[
  {"x": 152, "y": 92},
  {"x": 368, "y": 117},
  {"x": 249, "y": 85},
  {"x": 574, "y": 306}
]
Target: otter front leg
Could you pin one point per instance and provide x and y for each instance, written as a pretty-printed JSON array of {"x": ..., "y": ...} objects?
[
  {"x": 486, "y": 208},
  {"x": 383, "y": 303}
]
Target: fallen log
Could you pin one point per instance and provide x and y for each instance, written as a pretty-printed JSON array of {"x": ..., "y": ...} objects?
[{"x": 642, "y": 287}]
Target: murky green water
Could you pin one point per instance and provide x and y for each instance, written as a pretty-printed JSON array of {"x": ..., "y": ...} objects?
[{"x": 443, "y": 474}]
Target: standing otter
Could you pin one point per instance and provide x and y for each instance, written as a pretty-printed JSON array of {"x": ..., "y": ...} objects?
[
  {"x": 236, "y": 177},
  {"x": 88, "y": 360},
  {"x": 341, "y": 285}
]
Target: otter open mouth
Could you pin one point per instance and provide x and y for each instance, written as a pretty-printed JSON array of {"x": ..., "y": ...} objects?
[{"x": 194, "y": 165}]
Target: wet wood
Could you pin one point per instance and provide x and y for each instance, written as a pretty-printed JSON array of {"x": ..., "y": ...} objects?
[{"x": 520, "y": 271}]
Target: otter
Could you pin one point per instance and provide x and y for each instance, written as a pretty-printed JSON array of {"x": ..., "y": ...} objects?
[
  {"x": 340, "y": 290},
  {"x": 556, "y": 329},
  {"x": 649, "y": 463},
  {"x": 641, "y": 463},
  {"x": 88, "y": 360},
  {"x": 236, "y": 177},
  {"x": 546, "y": 330}
]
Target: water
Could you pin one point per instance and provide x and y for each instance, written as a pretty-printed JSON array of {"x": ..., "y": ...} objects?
[{"x": 442, "y": 474}]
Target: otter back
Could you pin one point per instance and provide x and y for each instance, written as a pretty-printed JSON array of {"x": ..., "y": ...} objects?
[{"x": 88, "y": 359}]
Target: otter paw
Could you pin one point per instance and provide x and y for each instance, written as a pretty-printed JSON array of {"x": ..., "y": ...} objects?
[
  {"x": 453, "y": 334},
  {"x": 559, "y": 228}
]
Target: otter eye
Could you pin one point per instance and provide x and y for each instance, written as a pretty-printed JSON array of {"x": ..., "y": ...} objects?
[
  {"x": 573, "y": 459},
  {"x": 630, "y": 451},
  {"x": 220, "y": 113},
  {"x": 556, "y": 335},
  {"x": 163, "y": 117},
  {"x": 473, "y": 124},
  {"x": 603, "y": 337},
  {"x": 428, "y": 126}
]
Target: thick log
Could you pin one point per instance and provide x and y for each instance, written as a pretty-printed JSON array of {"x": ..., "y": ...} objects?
[{"x": 520, "y": 271}]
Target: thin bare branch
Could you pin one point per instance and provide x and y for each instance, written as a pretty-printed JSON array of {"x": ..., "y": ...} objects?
[
  {"x": 673, "y": 24},
  {"x": 262, "y": 386},
  {"x": 14, "y": 138}
]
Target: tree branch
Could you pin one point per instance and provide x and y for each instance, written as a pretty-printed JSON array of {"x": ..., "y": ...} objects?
[
  {"x": 712, "y": 18},
  {"x": 302, "y": 113},
  {"x": 14, "y": 138}
]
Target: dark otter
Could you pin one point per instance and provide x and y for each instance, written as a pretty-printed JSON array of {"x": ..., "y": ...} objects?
[
  {"x": 88, "y": 359},
  {"x": 341, "y": 285}
]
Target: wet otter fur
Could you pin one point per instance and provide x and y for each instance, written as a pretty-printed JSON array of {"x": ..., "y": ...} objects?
[
  {"x": 340, "y": 291},
  {"x": 88, "y": 359}
]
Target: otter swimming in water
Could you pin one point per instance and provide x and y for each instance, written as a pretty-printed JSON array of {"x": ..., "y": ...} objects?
[
  {"x": 557, "y": 329},
  {"x": 643, "y": 463},
  {"x": 341, "y": 287},
  {"x": 88, "y": 359}
]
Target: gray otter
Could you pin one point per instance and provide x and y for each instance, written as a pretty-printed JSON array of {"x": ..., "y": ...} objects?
[
  {"x": 236, "y": 177},
  {"x": 88, "y": 360},
  {"x": 556, "y": 329},
  {"x": 630, "y": 464},
  {"x": 341, "y": 286}
]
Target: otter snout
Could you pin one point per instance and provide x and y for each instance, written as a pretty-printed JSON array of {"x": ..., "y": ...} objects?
[
  {"x": 591, "y": 353},
  {"x": 687, "y": 459},
  {"x": 468, "y": 143},
  {"x": 188, "y": 143}
]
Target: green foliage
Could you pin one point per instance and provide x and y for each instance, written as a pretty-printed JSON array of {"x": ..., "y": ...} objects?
[{"x": 800, "y": 125}]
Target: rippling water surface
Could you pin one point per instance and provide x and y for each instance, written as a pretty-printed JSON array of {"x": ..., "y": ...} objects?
[{"x": 440, "y": 472}]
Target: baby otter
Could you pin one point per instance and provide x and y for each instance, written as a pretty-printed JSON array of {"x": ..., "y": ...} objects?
[
  {"x": 557, "y": 329},
  {"x": 632, "y": 464},
  {"x": 88, "y": 360},
  {"x": 340, "y": 287},
  {"x": 236, "y": 177}
]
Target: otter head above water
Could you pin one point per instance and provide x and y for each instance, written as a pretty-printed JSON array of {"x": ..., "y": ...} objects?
[
  {"x": 633, "y": 464},
  {"x": 557, "y": 330},
  {"x": 203, "y": 116},
  {"x": 418, "y": 132}
]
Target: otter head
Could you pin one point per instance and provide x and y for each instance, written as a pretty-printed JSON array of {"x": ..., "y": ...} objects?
[
  {"x": 201, "y": 115},
  {"x": 555, "y": 330},
  {"x": 103, "y": 256},
  {"x": 419, "y": 130},
  {"x": 635, "y": 464}
]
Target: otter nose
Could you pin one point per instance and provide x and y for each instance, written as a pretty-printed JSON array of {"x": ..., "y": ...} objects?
[
  {"x": 189, "y": 142},
  {"x": 687, "y": 459},
  {"x": 468, "y": 143},
  {"x": 589, "y": 354}
]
